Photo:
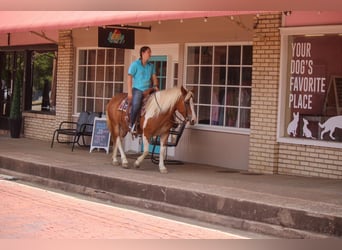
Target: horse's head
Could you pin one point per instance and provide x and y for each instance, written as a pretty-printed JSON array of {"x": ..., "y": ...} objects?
[{"x": 186, "y": 106}]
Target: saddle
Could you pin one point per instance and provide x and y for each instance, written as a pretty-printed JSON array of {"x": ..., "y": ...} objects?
[{"x": 126, "y": 107}]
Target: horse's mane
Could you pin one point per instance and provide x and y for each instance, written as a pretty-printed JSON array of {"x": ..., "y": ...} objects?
[{"x": 162, "y": 101}]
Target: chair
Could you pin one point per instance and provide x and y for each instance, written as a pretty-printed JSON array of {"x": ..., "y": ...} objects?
[
  {"x": 80, "y": 129},
  {"x": 174, "y": 137}
]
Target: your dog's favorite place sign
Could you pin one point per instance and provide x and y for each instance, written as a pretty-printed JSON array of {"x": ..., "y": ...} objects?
[{"x": 101, "y": 135}]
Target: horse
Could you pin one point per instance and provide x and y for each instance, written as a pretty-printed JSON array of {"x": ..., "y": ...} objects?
[{"x": 161, "y": 112}]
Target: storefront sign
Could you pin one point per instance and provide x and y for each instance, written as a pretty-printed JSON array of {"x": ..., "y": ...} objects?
[
  {"x": 307, "y": 82},
  {"x": 315, "y": 87},
  {"x": 116, "y": 38}
]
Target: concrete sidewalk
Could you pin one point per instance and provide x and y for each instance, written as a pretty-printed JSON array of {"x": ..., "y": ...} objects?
[{"x": 283, "y": 206}]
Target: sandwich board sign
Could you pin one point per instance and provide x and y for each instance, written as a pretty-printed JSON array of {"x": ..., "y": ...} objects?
[{"x": 101, "y": 135}]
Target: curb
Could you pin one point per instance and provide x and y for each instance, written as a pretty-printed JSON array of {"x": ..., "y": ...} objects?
[{"x": 224, "y": 211}]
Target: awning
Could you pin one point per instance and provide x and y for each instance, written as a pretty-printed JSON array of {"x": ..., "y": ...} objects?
[{"x": 21, "y": 21}]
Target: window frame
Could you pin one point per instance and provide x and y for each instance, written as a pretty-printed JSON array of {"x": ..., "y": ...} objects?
[
  {"x": 209, "y": 127},
  {"x": 281, "y": 127},
  {"x": 76, "y": 96}
]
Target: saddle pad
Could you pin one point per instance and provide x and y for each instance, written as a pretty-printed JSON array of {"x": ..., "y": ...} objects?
[{"x": 123, "y": 105}]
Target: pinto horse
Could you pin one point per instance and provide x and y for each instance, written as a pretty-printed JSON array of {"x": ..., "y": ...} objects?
[{"x": 161, "y": 111}]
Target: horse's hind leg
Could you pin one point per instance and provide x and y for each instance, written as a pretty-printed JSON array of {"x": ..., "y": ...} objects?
[
  {"x": 144, "y": 154},
  {"x": 115, "y": 161}
]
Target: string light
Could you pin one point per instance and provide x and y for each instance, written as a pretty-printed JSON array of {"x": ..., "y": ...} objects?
[
  {"x": 239, "y": 23},
  {"x": 159, "y": 22},
  {"x": 181, "y": 21},
  {"x": 205, "y": 19}
]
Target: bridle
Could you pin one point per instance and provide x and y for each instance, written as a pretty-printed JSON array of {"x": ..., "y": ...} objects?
[
  {"x": 186, "y": 101},
  {"x": 177, "y": 118}
]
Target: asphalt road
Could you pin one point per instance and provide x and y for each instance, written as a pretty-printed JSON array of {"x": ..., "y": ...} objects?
[{"x": 28, "y": 212}]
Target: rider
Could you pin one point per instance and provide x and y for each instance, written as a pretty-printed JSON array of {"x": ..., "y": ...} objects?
[{"x": 139, "y": 78}]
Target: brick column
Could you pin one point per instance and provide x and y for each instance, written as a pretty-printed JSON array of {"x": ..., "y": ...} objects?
[
  {"x": 65, "y": 77},
  {"x": 263, "y": 148}
]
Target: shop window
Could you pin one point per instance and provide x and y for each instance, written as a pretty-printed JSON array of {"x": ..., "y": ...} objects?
[
  {"x": 313, "y": 87},
  {"x": 222, "y": 79},
  {"x": 100, "y": 75}
]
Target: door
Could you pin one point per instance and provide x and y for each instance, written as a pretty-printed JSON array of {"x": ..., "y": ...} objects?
[{"x": 160, "y": 64}]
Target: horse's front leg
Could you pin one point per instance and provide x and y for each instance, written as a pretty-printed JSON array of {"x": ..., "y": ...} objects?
[
  {"x": 144, "y": 154},
  {"x": 162, "y": 154},
  {"x": 124, "y": 161},
  {"x": 115, "y": 161}
]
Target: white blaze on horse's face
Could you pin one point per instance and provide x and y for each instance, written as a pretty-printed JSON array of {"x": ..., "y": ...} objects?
[{"x": 189, "y": 98}]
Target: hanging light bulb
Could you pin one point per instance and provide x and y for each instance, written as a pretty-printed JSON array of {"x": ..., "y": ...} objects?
[
  {"x": 205, "y": 19},
  {"x": 181, "y": 21}
]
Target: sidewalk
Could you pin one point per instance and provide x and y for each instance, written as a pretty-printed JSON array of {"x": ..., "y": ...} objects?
[{"x": 283, "y": 206}]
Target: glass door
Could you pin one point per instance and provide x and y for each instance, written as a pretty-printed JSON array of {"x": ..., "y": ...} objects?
[{"x": 160, "y": 64}]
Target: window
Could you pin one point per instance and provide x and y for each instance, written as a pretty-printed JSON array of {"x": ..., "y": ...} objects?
[
  {"x": 312, "y": 87},
  {"x": 38, "y": 64},
  {"x": 100, "y": 75},
  {"x": 221, "y": 76},
  {"x": 43, "y": 87}
]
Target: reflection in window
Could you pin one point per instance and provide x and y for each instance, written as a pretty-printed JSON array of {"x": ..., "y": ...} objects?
[
  {"x": 100, "y": 76},
  {"x": 221, "y": 77},
  {"x": 42, "y": 75}
]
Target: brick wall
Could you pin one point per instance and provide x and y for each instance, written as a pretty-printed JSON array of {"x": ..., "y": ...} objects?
[
  {"x": 263, "y": 151},
  {"x": 314, "y": 161},
  {"x": 41, "y": 126},
  {"x": 65, "y": 77}
]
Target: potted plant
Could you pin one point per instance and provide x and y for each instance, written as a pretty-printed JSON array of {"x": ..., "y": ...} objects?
[{"x": 15, "y": 117}]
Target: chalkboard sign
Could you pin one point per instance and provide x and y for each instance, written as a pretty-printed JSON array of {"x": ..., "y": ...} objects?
[{"x": 101, "y": 135}]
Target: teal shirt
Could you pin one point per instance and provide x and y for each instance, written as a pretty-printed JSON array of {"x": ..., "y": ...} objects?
[{"x": 141, "y": 74}]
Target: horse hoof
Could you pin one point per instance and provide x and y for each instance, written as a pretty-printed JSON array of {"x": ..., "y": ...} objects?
[
  {"x": 136, "y": 165},
  {"x": 115, "y": 163},
  {"x": 163, "y": 171},
  {"x": 125, "y": 165}
]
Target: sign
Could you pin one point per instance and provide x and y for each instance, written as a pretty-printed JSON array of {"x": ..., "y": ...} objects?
[
  {"x": 116, "y": 38},
  {"x": 101, "y": 135},
  {"x": 307, "y": 81}
]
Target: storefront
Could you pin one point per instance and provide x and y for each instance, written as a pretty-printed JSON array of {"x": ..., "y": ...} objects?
[
  {"x": 263, "y": 89},
  {"x": 310, "y": 114}
]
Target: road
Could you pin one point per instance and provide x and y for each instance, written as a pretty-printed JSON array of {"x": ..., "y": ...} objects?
[{"x": 28, "y": 212}]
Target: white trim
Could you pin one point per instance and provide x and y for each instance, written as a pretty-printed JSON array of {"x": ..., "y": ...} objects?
[
  {"x": 228, "y": 130},
  {"x": 310, "y": 142},
  {"x": 311, "y": 30},
  {"x": 285, "y": 32},
  {"x": 217, "y": 44}
]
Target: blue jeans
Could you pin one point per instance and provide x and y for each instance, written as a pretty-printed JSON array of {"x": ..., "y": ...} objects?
[{"x": 137, "y": 96}]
